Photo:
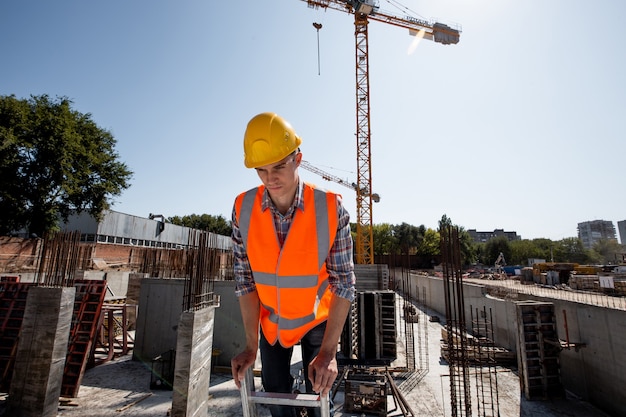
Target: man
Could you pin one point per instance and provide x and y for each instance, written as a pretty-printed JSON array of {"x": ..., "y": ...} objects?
[{"x": 293, "y": 265}]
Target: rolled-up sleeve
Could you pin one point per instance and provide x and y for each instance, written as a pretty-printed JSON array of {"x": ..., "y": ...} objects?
[
  {"x": 244, "y": 281},
  {"x": 339, "y": 264}
]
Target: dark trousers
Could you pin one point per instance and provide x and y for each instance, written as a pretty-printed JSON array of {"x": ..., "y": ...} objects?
[{"x": 276, "y": 368}]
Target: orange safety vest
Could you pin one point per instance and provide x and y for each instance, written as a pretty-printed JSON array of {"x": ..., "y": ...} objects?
[{"x": 292, "y": 281}]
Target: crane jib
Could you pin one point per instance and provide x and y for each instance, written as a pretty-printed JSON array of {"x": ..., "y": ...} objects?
[{"x": 364, "y": 10}]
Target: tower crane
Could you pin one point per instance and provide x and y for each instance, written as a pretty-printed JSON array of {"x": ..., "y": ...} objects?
[
  {"x": 364, "y": 11},
  {"x": 330, "y": 177}
]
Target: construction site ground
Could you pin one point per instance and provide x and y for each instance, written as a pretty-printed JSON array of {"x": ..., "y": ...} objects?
[{"x": 121, "y": 387}]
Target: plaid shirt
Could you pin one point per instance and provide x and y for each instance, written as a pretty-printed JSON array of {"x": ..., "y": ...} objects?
[{"x": 339, "y": 263}]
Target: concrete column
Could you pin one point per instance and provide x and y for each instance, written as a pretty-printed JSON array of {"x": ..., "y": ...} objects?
[
  {"x": 41, "y": 352},
  {"x": 192, "y": 372}
]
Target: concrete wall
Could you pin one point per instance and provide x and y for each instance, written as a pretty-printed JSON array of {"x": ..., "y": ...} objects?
[
  {"x": 160, "y": 307},
  {"x": 596, "y": 373},
  {"x": 228, "y": 337},
  {"x": 159, "y": 310},
  {"x": 502, "y": 313}
]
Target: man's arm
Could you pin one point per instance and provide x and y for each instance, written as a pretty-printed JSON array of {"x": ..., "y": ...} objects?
[
  {"x": 338, "y": 311},
  {"x": 249, "y": 304},
  {"x": 323, "y": 368},
  {"x": 250, "y": 313},
  {"x": 340, "y": 267}
]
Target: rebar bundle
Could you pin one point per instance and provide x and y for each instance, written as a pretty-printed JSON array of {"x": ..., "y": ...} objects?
[
  {"x": 460, "y": 389},
  {"x": 203, "y": 266},
  {"x": 59, "y": 258},
  {"x": 486, "y": 375}
]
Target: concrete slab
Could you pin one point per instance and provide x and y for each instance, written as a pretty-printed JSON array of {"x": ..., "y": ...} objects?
[{"x": 121, "y": 388}]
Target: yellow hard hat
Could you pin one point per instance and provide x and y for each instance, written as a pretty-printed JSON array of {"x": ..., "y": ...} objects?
[{"x": 268, "y": 139}]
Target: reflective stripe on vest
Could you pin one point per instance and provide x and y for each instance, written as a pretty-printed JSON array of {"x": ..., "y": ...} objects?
[
  {"x": 292, "y": 282},
  {"x": 292, "y": 324}
]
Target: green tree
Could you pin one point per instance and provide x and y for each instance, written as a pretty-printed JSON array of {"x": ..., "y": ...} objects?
[
  {"x": 467, "y": 246},
  {"x": 523, "y": 250},
  {"x": 571, "y": 249},
  {"x": 384, "y": 240},
  {"x": 54, "y": 161},
  {"x": 546, "y": 248},
  {"x": 494, "y": 247},
  {"x": 445, "y": 221},
  {"x": 608, "y": 251},
  {"x": 408, "y": 237},
  {"x": 480, "y": 249},
  {"x": 430, "y": 244},
  {"x": 214, "y": 224}
]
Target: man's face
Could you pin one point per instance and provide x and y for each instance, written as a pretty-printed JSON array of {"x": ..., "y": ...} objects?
[{"x": 281, "y": 178}]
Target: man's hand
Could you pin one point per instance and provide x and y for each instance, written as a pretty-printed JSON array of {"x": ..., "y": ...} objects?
[
  {"x": 323, "y": 372},
  {"x": 240, "y": 364}
]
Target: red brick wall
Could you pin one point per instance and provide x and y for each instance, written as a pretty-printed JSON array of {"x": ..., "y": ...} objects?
[
  {"x": 22, "y": 255},
  {"x": 18, "y": 254}
]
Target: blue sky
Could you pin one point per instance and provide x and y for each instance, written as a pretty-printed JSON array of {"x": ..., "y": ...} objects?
[{"x": 519, "y": 126}]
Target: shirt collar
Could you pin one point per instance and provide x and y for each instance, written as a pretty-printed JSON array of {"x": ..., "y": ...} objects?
[{"x": 298, "y": 202}]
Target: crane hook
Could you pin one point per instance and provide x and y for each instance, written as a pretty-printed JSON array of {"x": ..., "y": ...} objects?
[{"x": 318, "y": 26}]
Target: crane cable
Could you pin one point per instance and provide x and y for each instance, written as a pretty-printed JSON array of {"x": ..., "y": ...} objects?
[
  {"x": 318, "y": 26},
  {"x": 405, "y": 9}
]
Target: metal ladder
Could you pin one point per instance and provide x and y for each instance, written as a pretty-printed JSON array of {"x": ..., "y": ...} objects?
[{"x": 250, "y": 398}]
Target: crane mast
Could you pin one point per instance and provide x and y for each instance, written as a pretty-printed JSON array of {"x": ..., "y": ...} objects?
[
  {"x": 364, "y": 223},
  {"x": 365, "y": 10}
]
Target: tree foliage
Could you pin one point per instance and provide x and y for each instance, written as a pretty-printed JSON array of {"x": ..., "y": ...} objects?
[
  {"x": 409, "y": 237},
  {"x": 571, "y": 249},
  {"x": 523, "y": 250},
  {"x": 468, "y": 249},
  {"x": 494, "y": 247},
  {"x": 385, "y": 242},
  {"x": 215, "y": 224},
  {"x": 54, "y": 161},
  {"x": 466, "y": 245},
  {"x": 607, "y": 252},
  {"x": 430, "y": 245}
]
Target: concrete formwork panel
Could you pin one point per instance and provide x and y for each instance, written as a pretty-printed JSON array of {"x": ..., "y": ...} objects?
[
  {"x": 160, "y": 306},
  {"x": 193, "y": 363},
  {"x": 41, "y": 352},
  {"x": 229, "y": 338}
]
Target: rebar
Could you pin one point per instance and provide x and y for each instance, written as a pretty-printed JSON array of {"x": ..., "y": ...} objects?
[
  {"x": 59, "y": 258},
  {"x": 203, "y": 265},
  {"x": 410, "y": 314},
  {"x": 460, "y": 389},
  {"x": 486, "y": 374}
]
